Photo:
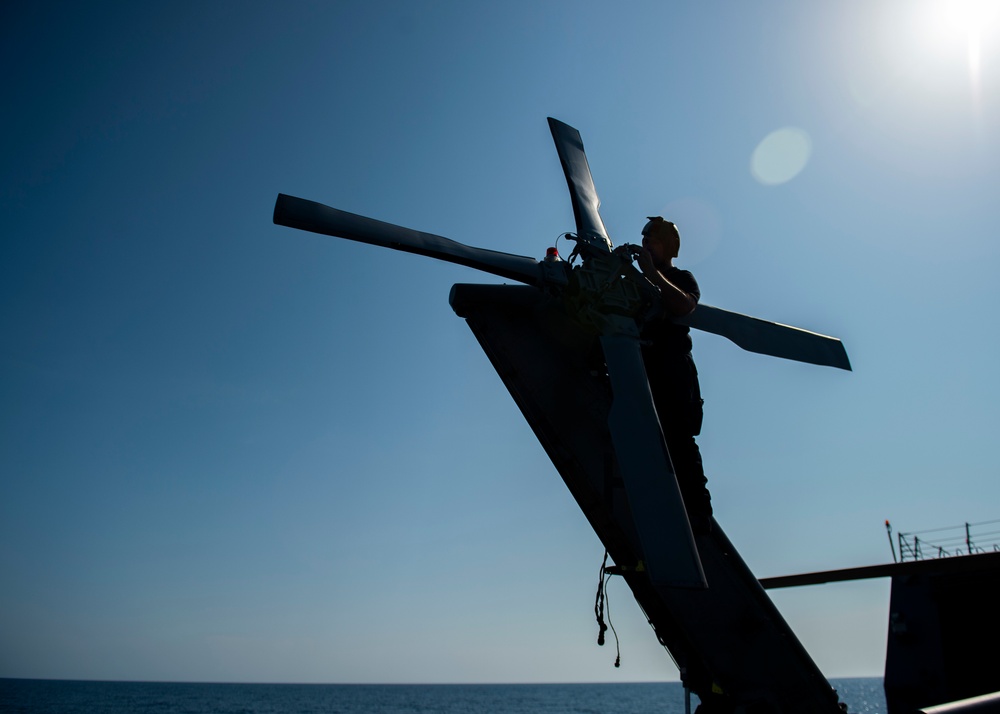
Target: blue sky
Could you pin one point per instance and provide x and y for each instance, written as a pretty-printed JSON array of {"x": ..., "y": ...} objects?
[{"x": 231, "y": 451}]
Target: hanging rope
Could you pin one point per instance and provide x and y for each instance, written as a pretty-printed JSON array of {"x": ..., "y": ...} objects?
[
  {"x": 599, "y": 604},
  {"x": 599, "y": 607}
]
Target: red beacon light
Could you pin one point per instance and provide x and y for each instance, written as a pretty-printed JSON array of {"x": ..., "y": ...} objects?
[{"x": 552, "y": 255}]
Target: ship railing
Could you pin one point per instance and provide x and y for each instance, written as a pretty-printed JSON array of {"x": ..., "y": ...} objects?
[{"x": 947, "y": 542}]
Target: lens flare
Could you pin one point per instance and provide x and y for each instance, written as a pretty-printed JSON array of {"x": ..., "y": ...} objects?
[{"x": 780, "y": 156}]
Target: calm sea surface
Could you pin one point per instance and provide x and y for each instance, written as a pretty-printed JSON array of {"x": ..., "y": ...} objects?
[{"x": 38, "y": 696}]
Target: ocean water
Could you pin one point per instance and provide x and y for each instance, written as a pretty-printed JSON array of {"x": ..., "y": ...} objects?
[{"x": 40, "y": 696}]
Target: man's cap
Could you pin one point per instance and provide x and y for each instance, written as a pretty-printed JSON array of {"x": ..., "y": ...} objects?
[{"x": 657, "y": 227}]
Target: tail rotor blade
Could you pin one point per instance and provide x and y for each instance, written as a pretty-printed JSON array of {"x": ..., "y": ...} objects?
[
  {"x": 569, "y": 144},
  {"x": 769, "y": 338},
  {"x": 654, "y": 497},
  {"x": 317, "y": 218}
]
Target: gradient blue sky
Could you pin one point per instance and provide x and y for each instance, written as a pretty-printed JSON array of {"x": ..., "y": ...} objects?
[{"x": 232, "y": 451}]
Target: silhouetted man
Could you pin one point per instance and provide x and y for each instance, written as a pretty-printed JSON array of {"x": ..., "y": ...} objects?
[{"x": 673, "y": 377}]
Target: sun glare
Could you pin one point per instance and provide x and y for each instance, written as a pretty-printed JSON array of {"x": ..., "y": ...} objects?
[
  {"x": 968, "y": 15},
  {"x": 959, "y": 34},
  {"x": 964, "y": 24}
]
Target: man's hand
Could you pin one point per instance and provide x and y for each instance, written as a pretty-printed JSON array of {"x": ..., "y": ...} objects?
[
  {"x": 645, "y": 260},
  {"x": 639, "y": 254}
]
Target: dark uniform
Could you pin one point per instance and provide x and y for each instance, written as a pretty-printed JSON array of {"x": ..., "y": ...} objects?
[{"x": 673, "y": 381}]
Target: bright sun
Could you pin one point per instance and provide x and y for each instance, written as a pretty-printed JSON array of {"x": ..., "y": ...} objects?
[{"x": 965, "y": 24}]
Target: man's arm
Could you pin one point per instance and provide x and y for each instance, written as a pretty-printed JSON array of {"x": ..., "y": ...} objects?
[{"x": 677, "y": 302}]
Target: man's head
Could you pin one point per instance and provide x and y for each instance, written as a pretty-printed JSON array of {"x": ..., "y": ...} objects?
[{"x": 664, "y": 234}]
